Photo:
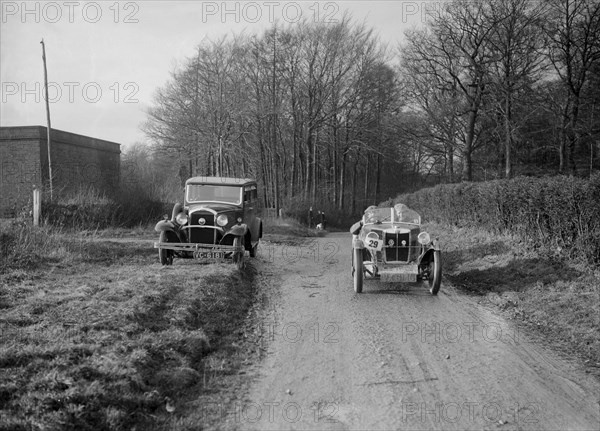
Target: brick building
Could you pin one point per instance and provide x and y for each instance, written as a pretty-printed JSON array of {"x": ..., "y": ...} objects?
[{"x": 77, "y": 161}]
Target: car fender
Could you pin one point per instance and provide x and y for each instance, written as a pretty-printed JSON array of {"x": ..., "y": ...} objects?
[
  {"x": 428, "y": 255},
  {"x": 164, "y": 226},
  {"x": 238, "y": 230},
  {"x": 177, "y": 208},
  {"x": 357, "y": 242},
  {"x": 356, "y": 227}
]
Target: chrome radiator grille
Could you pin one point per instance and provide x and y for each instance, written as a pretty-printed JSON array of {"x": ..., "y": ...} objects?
[
  {"x": 397, "y": 247},
  {"x": 203, "y": 236}
]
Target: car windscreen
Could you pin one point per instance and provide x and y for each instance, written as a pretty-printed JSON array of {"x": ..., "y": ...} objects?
[
  {"x": 378, "y": 215},
  {"x": 406, "y": 215},
  {"x": 384, "y": 215},
  {"x": 213, "y": 193}
]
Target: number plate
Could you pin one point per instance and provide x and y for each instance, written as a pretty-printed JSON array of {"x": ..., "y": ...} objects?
[{"x": 209, "y": 255}]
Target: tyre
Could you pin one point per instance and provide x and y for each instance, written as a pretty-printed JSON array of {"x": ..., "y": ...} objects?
[
  {"x": 357, "y": 266},
  {"x": 370, "y": 269},
  {"x": 238, "y": 256},
  {"x": 254, "y": 250},
  {"x": 435, "y": 273},
  {"x": 165, "y": 256}
]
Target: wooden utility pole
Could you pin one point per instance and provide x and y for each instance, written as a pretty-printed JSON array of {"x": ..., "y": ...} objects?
[{"x": 47, "y": 118}]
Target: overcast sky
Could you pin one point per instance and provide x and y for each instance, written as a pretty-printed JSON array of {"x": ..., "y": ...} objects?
[{"x": 107, "y": 58}]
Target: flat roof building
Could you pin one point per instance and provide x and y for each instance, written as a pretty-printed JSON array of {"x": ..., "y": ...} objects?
[{"x": 78, "y": 161}]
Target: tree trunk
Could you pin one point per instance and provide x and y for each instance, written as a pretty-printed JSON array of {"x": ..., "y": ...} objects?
[
  {"x": 355, "y": 174},
  {"x": 508, "y": 138},
  {"x": 378, "y": 180},
  {"x": 366, "y": 199},
  {"x": 573, "y": 135},
  {"x": 335, "y": 161},
  {"x": 562, "y": 138},
  {"x": 450, "y": 165},
  {"x": 467, "y": 173},
  {"x": 313, "y": 193},
  {"x": 342, "y": 180},
  {"x": 294, "y": 163},
  {"x": 309, "y": 152}
]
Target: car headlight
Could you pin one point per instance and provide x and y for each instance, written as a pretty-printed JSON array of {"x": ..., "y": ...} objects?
[
  {"x": 222, "y": 220},
  {"x": 181, "y": 218},
  {"x": 372, "y": 235},
  {"x": 424, "y": 238}
]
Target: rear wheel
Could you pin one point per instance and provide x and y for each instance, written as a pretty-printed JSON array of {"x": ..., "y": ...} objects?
[
  {"x": 357, "y": 266},
  {"x": 164, "y": 255},
  {"x": 435, "y": 273}
]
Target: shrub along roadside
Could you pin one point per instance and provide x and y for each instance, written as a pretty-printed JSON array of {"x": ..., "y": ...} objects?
[
  {"x": 88, "y": 209},
  {"x": 559, "y": 213},
  {"x": 530, "y": 246}
]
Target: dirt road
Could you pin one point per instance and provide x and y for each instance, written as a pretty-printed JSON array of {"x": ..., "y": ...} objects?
[{"x": 395, "y": 357}]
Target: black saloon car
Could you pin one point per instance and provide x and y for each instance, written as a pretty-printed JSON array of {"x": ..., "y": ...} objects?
[{"x": 217, "y": 221}]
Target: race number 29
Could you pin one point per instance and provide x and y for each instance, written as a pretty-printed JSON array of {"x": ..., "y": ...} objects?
[{"x": 375, "y": 244}]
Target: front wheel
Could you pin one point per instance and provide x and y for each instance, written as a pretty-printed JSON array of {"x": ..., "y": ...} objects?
[
  {"x": 164, "y": 255},
  {"x": 254, "y": 250},
  {"x": 435, "y": 273},
  {"x": 238, "y": 256},
  {"x": 357, "y": 267}
]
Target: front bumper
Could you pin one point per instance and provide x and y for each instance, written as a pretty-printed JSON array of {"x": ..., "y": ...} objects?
[
  {"x": 399, "y": 274},
  {"x": 196, "y": 248}
]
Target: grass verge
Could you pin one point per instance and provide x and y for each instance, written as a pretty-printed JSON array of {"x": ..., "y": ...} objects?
[
  {"x": 556, "y": 298},
  {"x": 97, "y": 335}
]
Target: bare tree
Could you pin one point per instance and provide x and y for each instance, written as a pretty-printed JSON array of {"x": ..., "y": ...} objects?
[
  {"x": 519, "y": 61},
  {"x": 574, "y": 31}
]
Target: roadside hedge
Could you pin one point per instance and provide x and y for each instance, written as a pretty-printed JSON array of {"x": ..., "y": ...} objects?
[
  {"x": 86, "y": 208},
  {"x": 558, "y": 212},
  {"x": 103, "y": 215}
]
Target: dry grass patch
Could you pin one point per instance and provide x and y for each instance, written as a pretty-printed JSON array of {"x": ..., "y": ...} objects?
[
  {"x": 100, "y": 336},
  {"x": 555, "y": 297}
]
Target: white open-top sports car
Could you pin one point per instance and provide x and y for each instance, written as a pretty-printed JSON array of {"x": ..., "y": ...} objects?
[{"x": 388, "y": 244}]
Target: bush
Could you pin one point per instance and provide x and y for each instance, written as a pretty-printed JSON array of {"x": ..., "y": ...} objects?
[
  {"x": 559, "y": 212},
  {"x": 87, "y": 209}
]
